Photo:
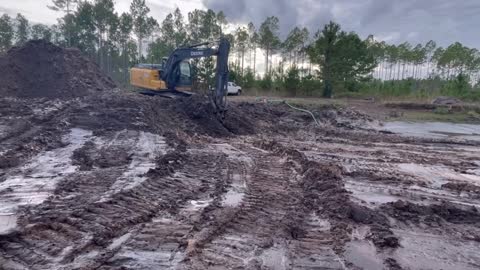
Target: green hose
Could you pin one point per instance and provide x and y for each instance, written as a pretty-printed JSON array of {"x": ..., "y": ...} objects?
[
  {"x": 291, "y": 106},
  {"x": 303, "y": 110}
]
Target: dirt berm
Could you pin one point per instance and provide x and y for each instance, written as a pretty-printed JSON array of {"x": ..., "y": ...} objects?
[{"x": 41, "y": 69}]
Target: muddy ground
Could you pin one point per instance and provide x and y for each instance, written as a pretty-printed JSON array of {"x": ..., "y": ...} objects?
[
  {"x": 92, "y": 177},
  {"x": 122, "y": 181}
]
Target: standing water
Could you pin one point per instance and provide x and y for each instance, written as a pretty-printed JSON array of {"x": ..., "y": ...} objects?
[{"x": 435, "y": 130}]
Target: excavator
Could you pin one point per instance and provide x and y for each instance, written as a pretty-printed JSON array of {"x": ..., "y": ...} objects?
[{"x": 172, "y": 78}]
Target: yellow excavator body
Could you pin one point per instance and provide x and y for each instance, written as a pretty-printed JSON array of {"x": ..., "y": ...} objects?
[{"x": 147, "y": 79}]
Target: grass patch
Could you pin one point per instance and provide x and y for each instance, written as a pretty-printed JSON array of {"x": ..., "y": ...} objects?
[{"x": 442, "y": 110}]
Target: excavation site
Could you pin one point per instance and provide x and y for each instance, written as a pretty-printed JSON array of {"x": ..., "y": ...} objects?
[{"x": 93, "y": 176}]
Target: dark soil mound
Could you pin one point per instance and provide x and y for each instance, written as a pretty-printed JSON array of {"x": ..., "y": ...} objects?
[
  {"x": 432, "y": 214},
  {"x": 199, "y": 110},
  {"x": 41, "y": 69},
  {"x": 118, "y": 110}
]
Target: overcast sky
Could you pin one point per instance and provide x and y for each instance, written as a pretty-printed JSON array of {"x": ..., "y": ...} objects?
[{"x": 444, "y": 21}]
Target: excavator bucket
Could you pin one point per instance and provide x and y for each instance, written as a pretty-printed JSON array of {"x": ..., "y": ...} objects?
[{"x": 166, "y": 94}]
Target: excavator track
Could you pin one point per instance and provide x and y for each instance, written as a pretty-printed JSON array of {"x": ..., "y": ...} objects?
[{"x": 166, "y": 94}]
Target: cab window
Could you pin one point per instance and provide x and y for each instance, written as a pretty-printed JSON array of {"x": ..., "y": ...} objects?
[{"x": 185, "y": 74}]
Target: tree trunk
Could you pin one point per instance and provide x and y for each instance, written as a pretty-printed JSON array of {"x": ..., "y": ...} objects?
[
  {"x": 398, "y": 71},
  {"x": 391, "y": 71},
  {"x": 266, "y": 62},
  {"x": 254, "y": 61},
  {"x": 100, "y": 52},
  {"x": 303, "y": 61},
  {"x": 243, "y": 56},
  {"x": 125, "y": 65},
  {"x": 327, "y": 91},
  {"x": 250, "y": 58},
  {"x": 139, "y": 49},
  {"x": 428, "y": 69}
]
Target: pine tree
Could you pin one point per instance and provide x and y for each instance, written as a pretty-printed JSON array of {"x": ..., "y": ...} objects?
[{"x": 6, "y": 33}]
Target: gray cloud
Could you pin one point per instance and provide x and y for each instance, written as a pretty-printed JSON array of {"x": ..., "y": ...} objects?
[
  {"x": 6, "y": 11},
  {"x": 444, "y": 21}
]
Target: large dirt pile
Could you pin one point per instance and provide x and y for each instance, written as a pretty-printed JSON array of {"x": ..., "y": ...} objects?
[{"x": 41, "y": 69}]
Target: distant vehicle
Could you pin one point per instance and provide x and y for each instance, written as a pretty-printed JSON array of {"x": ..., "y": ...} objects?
[{"x": 234, "y": 89}]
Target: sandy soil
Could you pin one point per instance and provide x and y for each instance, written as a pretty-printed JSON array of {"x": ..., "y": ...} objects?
[{"x": 122, "y": 181}]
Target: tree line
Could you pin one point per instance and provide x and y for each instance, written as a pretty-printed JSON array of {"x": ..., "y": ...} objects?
[{"x": 301, "y": 62}]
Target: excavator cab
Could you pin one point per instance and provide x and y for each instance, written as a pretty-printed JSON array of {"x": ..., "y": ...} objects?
[{"x": 148, "y": 79}]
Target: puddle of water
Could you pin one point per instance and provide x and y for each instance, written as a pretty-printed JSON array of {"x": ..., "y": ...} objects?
[
  {"x": 157, "y": 259},
  {"x": 233, "y": 198},
  {"x": 360, "y": 232},
  {"x": 435, "y": 130},
  {"x": 236, "y": 192},
  {"x": 376, "y": 194},
  {"x": 7, "y": 223},
  {"x": 363, "y": 255},
  {"x": 319, "y": 222},
  {"x": 370, "y": 194},
  {"x": 233, "y": 153},
  {"x": 119, "y": 241},
  {"x": 427, "y": 251},
  {"x": 35, "y": 181},
  {"x": 274, "y": 258},
  {"x": 436, "y": 175},
  {"x": 195, "y": 206}
]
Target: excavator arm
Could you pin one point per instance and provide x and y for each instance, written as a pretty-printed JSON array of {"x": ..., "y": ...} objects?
[{"x": 218, "y": 94}]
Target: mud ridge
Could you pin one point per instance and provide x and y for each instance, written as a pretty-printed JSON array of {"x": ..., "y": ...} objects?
[{"x": 433, "y": 214}]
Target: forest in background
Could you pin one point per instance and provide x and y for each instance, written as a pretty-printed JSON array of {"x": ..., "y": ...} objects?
[{"x": 329, "y": 62}]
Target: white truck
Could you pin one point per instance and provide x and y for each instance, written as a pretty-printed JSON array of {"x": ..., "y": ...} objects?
[{"x": 234, "y": 89}]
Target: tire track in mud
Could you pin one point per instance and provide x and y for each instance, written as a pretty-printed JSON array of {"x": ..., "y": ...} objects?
[
  {"x": 220, "y": 206},
  {"x": 36, "y": 180},
  {"x": 331, "y": 216},
  {"x": 273, "y": 227},
  {"x": 314, "y": 249},
  {"x": 30, "y": 130},
  {"x": 76, "y": 230},
  {"x": 163, "y": 242},
  {"x": 253, "y": 229}
]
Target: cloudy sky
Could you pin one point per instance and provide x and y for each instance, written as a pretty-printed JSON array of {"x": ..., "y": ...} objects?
[{"x": 444, "y": 21}]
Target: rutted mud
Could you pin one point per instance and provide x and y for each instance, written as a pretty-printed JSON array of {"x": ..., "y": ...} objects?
[{"x": 115, "y": 180}]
